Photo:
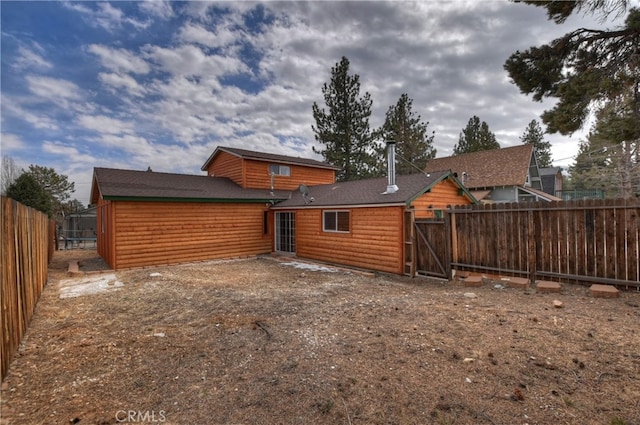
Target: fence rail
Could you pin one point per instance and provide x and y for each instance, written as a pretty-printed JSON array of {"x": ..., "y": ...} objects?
[
  {"x": 586, "y": 240},
  {"x": 27, "y": 247}
]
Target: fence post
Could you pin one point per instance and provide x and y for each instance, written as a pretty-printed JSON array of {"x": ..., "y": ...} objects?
[
  {"x": 453, "y": 232},
  {"x": 531, "y": 247}
]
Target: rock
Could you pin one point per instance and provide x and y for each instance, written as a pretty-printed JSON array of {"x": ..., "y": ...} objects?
[
  {"x": 558, "y": 304},
  {"x": 468, "y": 360},
  {"x": 470, "y": 295}
]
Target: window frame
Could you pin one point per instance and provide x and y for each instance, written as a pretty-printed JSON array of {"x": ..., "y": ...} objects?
[
  {"x": 336, "y": 221},
  {"x": 279, "y": 170}
]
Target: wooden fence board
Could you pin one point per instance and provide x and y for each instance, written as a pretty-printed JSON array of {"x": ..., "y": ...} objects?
[
  {"x": 586, "y": 240},
  {"x": 27, "y": 247}
]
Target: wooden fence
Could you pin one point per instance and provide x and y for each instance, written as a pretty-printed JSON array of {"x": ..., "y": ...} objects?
[
  {"x": 27, "y": 247},
  {"x": 586, "y": 241}
]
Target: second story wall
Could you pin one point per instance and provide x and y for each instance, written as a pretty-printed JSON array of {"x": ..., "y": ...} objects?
[
  {"x": 258, "y": 175},
  {"x": 227, "y": 165}
]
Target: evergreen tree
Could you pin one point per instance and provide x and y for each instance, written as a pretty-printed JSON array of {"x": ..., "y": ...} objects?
[
  {"x": 534, "y": 135},
  {"x": 609, "y": 159},
  {"x": 56, "y": 186},
  {"x": 414, "y": 147},
  {"x": 475, "y": 137},
  {"x": 583, "y": 69},
  {"x": 26, "y": 190},
  {"x": 343, "y": 129}
]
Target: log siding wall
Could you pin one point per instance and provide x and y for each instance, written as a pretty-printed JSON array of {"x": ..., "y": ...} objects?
[
  {"x": 374, "y": 241},
  {"x": 155, "y": 233},
  {"x": 443, "y": 195},
  {"x": 252, "y": 174},
  {"x": 257, "y": 176},
  {"x": 227, "y": 165}
]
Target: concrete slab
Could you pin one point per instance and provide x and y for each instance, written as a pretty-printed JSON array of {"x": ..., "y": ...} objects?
[
  {"x": 604, "y": 291},
  {"x": 472, "y": 281},
  {"x": 516, "y": 282},
  {"x": 547, "y": 286}
]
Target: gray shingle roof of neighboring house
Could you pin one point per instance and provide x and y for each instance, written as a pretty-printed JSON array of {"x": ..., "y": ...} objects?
[
  {"x": 548, "y": 178},
  {"x": 270, "y": 157},
  {"x": 366, "y": 192},
  {"x": 140, "y": 185},
  {"x": 494, "y": 168}
]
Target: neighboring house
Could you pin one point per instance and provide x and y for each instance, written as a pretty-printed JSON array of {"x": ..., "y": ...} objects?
[
  {"x": 499, "y": 175},
  {"x": 552, "y": 180},
  {"x": 253, "y": 203},
  {"x": 357, "y": 224}
]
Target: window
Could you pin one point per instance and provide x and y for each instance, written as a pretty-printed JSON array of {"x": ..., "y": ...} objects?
[
  {"x": 335, "y": 221},
  {"x": 279, "y": 170}
]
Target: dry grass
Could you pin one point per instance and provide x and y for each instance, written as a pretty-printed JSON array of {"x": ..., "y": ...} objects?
[{"x": 259, "y": 342}]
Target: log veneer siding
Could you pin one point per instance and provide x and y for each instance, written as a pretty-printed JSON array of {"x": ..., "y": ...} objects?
[
  {"x": 251, "y": 174},
  {"x": 374, "y": 241},
  {"x": 442, "y": 195},
  {"x": 155, "y": 233}
]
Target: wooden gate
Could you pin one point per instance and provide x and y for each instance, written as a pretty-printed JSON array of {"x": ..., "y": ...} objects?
[{"x": 432, "y": 254}]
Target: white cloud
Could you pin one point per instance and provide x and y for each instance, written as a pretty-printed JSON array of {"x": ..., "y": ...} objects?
[
  {"x": 222, "y": 37},
  {"x": 53, "y": 89},
  {"x": 28, "y": 59},
  {"x": 189, "y": 60},
  {"x": 157, "y": 8},
  {"x": 69, "y": 152},
  {"x": 105, "y": 16},
  {"x": 105, "y": 125},
  {"x": 12, "y": 107},
  {"x": 120, "y": 60},
  {"x": 10, "y": 142},
  {"x": 126, "y": 82}
]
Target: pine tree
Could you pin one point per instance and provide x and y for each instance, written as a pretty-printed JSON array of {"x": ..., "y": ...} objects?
[
  {"x": 609, "y": 160},
  {"x": 475, "y": 137},
  {"x": 414, "y": 147},
  {"x": 26, "y": 190},
  {"x": 584, "y": 69},
  {"x": 343, "y": 129},
  {"x": 56, "y": 186},
  {"x": 534, "y": 135}
]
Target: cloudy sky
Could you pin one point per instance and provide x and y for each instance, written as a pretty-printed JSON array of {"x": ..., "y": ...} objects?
[{"x": 138, "y": 84}]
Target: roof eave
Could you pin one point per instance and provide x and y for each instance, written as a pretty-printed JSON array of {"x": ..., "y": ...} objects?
[{"x": 191, "y": 200}]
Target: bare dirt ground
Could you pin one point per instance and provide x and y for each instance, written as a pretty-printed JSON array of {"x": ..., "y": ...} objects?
[{"x": 258, "y": 341}]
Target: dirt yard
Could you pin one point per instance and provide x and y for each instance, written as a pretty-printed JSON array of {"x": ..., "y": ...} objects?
[{"x": 259, "y": 341}]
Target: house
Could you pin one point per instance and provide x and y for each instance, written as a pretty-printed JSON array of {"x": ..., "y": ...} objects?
[
  {"x": 359, "y": 223},
  {"x": 252, "y": 203},
  {"x": 499, "y": 175},
  {"x": 149, "y": 218},
  {"x": 552, "y": 180}
]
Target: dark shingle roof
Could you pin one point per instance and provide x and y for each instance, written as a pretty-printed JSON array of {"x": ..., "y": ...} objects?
[
  {"x": 366, "y": 192},
  {"x": 270, "y": 157},
  {"x": 494, "y": 168},
  {"x": 121, "y": 184}
]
